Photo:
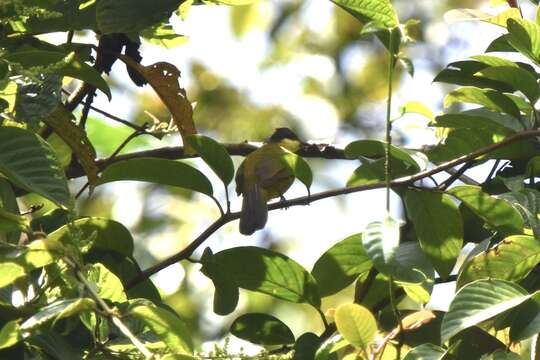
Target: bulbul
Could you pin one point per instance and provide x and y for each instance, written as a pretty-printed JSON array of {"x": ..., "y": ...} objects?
[{"x": 263, "y": 175}]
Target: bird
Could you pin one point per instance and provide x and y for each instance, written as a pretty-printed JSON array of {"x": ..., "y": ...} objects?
[{"x": 262, "y": 176}]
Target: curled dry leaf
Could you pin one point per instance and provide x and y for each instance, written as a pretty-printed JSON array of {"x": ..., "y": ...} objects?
[
  {"x": 60, "y": 121},
  {"x": 163, "y": 77}
]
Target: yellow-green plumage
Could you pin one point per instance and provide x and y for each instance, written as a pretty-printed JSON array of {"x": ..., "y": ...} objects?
[{"x": 263, "y": 175}]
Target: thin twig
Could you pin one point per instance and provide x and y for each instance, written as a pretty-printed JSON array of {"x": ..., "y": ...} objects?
[
  {"x": 86, "y": 107},
  {"x": 109, "y": 115},
  {"x": 110, "y": 159},
  {"x": 456, "y": 175},
  {"x": 493, "y": 170}
]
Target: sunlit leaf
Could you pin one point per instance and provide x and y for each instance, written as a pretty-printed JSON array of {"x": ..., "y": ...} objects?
[
  {"x": 438, "y": 225},
  {"x": 340, "y": 265},
  {"x": 497, "y": 213},
  {"x": 516, "y": 77},
  {"x": 356, "y": 324},
  {"x": 108, "y": 285},
  {"x": 167, "y": 327},
  {"x": 105, "y": 234},
  {"x": 299, "y": 167},
  {"x": 262, "y": 329},
  {"x": 500, "y": 19},
  {"x": 215, "y": 155},
  {"x": 524, "y": 36},
  {"x": 57, "y": 310},
  {"x": 491, "y": 99},
  {"x": 416, "y": 107},
  {"x": 30, "y": 163},
  {"x": 380, "y": 241},
  {"x": 512, "y": 259},
  {"x": 158, "y": 171},
  {"x": 479, "y": 301},
  {"x": 380, "y": 11},
  {"x": 426, "y": 352},
  {"x": 501, "y": 355},
  {"x": 10, "y": 334},
  {"x": 64, "y": 65}
]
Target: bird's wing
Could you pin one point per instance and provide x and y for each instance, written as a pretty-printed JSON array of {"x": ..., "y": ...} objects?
[
  {"x": 240, "y": 179},
  {"x": 270, "y": 171}
]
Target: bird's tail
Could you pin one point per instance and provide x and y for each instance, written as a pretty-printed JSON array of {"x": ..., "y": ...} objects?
[{"x": 254, "y": 209}]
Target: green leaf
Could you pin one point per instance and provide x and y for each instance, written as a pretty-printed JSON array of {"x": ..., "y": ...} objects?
[
  {"x": 463, "y": 141},
  {"x": 167, "y": 327},
  {"x": 226, "y": 292},
  {"x": 426, "y": 352},
  {"x": 413, "y": 271},
  {"x": 299, "y": 167},
  {"x": 340, "y": 265},
  {"x": 163, "y": 35},
  {"x": 380, "y": 241},
  {"x": 479, "y": 119},
  {"x": 10, "y": 221},
  {"x": 500, "y": 19},
  {"x": 356, "y": 324},
  {"x": 373, "y": 172},
  {"x": 10, "y": 334},
  {"x": 215, "y": 155},
  {"x": 63, "y": 64},
  {"x": 234, "y": 2},
  {"x": 524, "y": 36},
  {"x": 497, "y": 213},
  {"x": 438, "y": 225},
  {"x": 262, "y": 329},
  {"x": 131, "y": 16},
  {"x": 10, "y": 272},
  {"x": 501, "y": 355},
  {"x": 416, "y": 107},
  {"x": 512, "y": 259},
  {"x": 491, "y": 99},
  {"x": 374, "y": 149},
  {"x": 516, "y": 77},
  {"x": 268, "y": 272},
  {"x": 159, "y": 171},
  {"x": 526, "y": 322},
  {"x": 462, "y": 73},
  {"x": 480, "y": 301},
  {"x": 57, "y": 310},
  {"x": 380, "y": 11},
  {"x": 108, "y": 285},
  {"x": 306, "y": 346},
  {"x": 105, "y": 234},
  {"x": 37, "y": 98},
  {"x": 30, "y": 163}
]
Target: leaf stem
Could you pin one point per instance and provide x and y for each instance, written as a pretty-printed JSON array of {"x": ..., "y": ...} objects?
[{"x": 388, "y": 136}]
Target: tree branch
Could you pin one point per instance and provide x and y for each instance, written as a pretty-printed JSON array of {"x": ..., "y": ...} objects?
[{"x": 306, "y": 200}]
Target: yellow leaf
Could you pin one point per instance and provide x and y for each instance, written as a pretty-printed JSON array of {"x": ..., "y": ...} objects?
[
  {"x": 163, "y": 77},
  {"x": 60, "y": 121}
]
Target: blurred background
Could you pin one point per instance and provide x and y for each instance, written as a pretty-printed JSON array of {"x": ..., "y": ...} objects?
[{"x": 250, "y": 69}]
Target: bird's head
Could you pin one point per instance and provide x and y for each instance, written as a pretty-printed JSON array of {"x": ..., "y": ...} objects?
[{"x": 286, "y": 138}]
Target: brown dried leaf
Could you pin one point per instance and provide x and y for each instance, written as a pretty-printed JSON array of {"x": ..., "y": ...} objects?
[
  {"x": 60, "y": 121},
  {"x": 163, "y": 77}
]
